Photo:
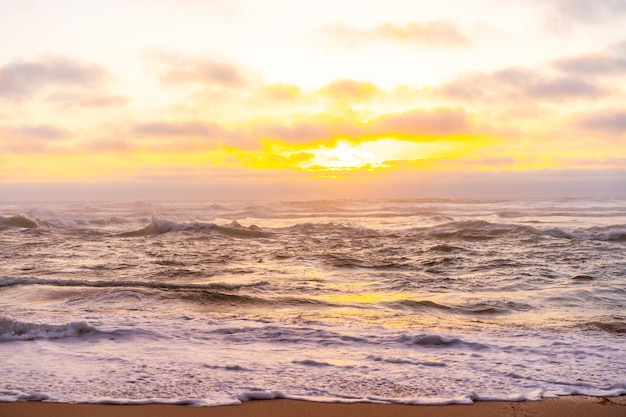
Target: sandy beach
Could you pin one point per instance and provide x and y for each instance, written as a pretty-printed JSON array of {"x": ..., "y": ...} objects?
[{"x": 563, "y": 406}]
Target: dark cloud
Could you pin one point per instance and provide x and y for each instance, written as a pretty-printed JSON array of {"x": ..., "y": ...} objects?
[
  {"x": 561, "y": 16},
  {"x": 564, "y": 88},
  {"x": 612, "y": 121},
  {"x": 518, "y": 84},
  {"x": 188, "y": 129},
  {"x": 185, "y": 70},
  {"x": 430, "y": 34},
  {"x": 176, "y": 134},
  {"x": 589, "y": 10},
  {"x": 40, "y": 132},
  {"x": 19, "y": 79},
  {"x": 87, "y": 100},
  {"x": 592, "y": 64}
]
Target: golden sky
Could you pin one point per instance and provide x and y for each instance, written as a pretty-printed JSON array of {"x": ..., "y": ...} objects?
[{"x": 368, "y": 98}]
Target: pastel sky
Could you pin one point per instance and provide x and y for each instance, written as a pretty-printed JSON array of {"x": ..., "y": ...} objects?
[{"x": 311, "y": 99}]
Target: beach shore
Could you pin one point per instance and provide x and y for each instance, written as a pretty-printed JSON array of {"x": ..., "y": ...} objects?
[{"x": 557, "y": 407}]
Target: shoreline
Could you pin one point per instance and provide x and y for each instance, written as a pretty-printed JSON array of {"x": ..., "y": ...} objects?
[{"x": 571, "y": 406}]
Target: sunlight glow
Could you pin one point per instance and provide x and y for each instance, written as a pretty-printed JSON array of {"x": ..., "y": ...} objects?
[{"x": 369, "y": 155}]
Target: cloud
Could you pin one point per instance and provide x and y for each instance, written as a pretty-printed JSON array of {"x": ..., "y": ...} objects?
[
  {"x": 442, "y": 121},
  {"x": 165, "y": 129},
  {"x": 302, "y": 132},
  {"x": 87, "y": 100},
  {"x": 428, "y": 34},
  {"x": 108, "y": 145},
  {"x": 19, "y": 79},
  {"x": 563, "y": 88},
  {"x": 280, "y": 93},
  {"x": 560, "y": 16},
  {"x": 419, "y": 125},
  {"x": 586, "y": 10},
  {"x": 520, "y": 83},
  {"x": 611, "y": 121},
  {"x": 32, "y": 138},
  {"x": 43, "y": 132},
  {"x": 181, "y": 69},
  {"x": 423, "y": 125},
  {"x": 592, "y": 64},
  {"x": 178, "y": 133},
  {"x": 351, "y": 90}
]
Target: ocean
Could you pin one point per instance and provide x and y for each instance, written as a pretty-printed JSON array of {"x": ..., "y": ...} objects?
[{"x": 400, "y": 301}]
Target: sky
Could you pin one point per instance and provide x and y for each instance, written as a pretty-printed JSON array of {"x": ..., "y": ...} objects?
[{"x": 243, "y": 99}]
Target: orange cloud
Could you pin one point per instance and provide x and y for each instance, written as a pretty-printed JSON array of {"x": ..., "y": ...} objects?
[
  {"x": 280, "y": 93},
  {"x": 350, "y": 90},
  {"x": 428, "y": 34},
  {"x": 422, "y": 124},
  {"x": 442, "y": 121}
]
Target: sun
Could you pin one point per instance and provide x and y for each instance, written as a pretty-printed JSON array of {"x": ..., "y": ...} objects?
[
  {"x": 344, "y": 156},
  {"x": 368, "y": 155}
]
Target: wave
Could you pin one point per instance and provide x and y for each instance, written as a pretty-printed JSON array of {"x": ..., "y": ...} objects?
[
  {"x": 290, "y": 335},
  {"x": 201, "y": 294},
  {"x": 612, "y": 233},
  {"x": 241, "y": 300},
  {"x": 333, "y": 228},
  {"x": 34, "y": 220},
  {"x": 496, "y": 308},
  {"x": 478, "y": 230},
  {"x": 21, "y": 221},
  {"x": 512, "y": 214},
  {"x": 341, "y": 261},
  {"x": 617, "y": 327},
  {"x": 160, "y": 226},
  {"x": 405, "y": 361},
  {"x": 435, "y": 340},
  {"x": 9, "y": 282},
  {"x": 216, "y": 297},
  {"x": 445, "y": 248},
  {"x": 13, "y": 330}
]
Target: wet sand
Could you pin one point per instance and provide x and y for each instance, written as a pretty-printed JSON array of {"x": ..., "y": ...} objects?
[{"x": 554, "y": 407}]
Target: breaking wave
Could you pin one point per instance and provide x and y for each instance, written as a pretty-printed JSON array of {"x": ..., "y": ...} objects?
[
  {"x": 481, "y": 230},
  {"x": 20, "y": 221},
  {"x": 160, "y": 226},
  {"x": 13, "y": 330}
]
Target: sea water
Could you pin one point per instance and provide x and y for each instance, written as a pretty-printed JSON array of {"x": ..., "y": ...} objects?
[{"x": 404, "y": 301}]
